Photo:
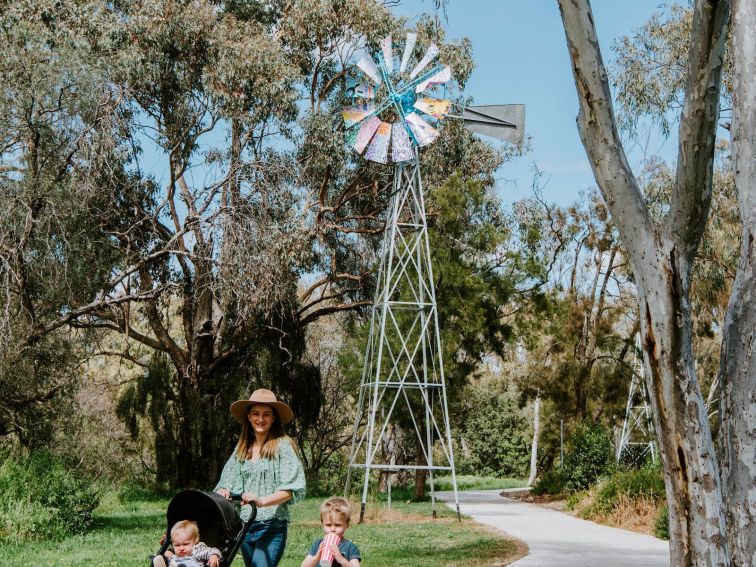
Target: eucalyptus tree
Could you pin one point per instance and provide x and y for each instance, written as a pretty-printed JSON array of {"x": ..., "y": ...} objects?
[
  {"x": 208, "y": 179},
  {"x": 662, "y": 256},
  {"x": 58, "y": 107},
  {"x": 737, "y": 433}
]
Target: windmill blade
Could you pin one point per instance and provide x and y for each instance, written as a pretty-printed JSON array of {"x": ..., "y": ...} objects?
[
  {"x": 401, "y": 145},
  {"x": 501, "y": 121},
  {"x": 363, "y": 90},
  {"x": 423, "y": 132},
  {"x": 409, "y": 46},
  {"x": 356, "y": 113},
  {"x": 434, "y": 107},
  {"x": 369, "y": 67},
  {"x": 443, "y": 76},
  {"x": 388, "y": 54},
  {"x": 365, "y": 133},
  {"x": 427, "y": 58},
  {"x": 378, "y": 149}
]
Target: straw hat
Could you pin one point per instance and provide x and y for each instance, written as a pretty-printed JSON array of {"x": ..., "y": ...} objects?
[{"x": 240, "y": 408}]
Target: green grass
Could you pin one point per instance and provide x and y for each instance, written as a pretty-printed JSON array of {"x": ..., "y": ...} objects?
[
  {"x": 407, "y": 536},
  {"x": 465, "y": 482}
]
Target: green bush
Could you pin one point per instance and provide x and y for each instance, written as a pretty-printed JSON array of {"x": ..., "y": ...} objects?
[
  {"x": 495, "y": 436},
  {"x": 645, "y": 481},
  {"x": 330, "y": 478},
  {"x": 40, "y": 498},
  {"x": 588, "y": 457},
  {"x": 550, "y": 483},
  {"x": 661, "y": 524},
  {"x": 138, "y": 492}
]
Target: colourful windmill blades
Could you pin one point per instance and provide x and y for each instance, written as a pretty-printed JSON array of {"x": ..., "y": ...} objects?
[
  {"x": 369, "y": 67},
  {"x": 378, "y": 149},
  {"x": 409, "y": 46},
  {"x": 365, "y": 133},
  {"x": 356, "y": 113},
  {"x": 442, "y": 76},
  {"x": 388, "y": 54},
  {"x": 422, "y": 132},
  {"x": 358, "y": 89},
  {"x": 430, "y": 54},
  {"x": 434, "y": 107},
  {"x": 401, "y": 144}
]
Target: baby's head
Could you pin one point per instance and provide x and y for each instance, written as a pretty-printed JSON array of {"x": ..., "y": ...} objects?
[
  {"x": 335, "y": 514},
  {"x": 184, "y": 536}
]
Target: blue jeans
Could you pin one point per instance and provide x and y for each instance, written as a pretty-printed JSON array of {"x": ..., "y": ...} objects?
[{"x": 264, "y": 544}]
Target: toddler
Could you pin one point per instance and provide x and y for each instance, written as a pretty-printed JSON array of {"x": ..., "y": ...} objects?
[
  {"x": 188, "y": 550},
  {"x": 335, "y": 514}
]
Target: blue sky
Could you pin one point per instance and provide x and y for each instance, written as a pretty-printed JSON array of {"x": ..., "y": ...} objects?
[{"x": 521, "y": 57}]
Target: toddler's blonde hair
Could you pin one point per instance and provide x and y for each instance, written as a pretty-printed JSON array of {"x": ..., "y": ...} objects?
[{"x": 336, "y": 506}]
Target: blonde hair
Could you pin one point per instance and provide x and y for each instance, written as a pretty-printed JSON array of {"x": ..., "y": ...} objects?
[
  {"x": 336, "y": 506},
  {"x": 188, "y": 527},
  {"x": 270, "y": 447}
]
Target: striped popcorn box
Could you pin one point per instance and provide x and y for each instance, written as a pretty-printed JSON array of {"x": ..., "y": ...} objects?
[{"x": 326, "y": 557}]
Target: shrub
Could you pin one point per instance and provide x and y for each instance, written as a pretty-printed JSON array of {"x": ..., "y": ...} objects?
[
  {"x": 588, "y": 457},
  {"x": 550, "y": 483},
  {"x": 140, "y": 492},
  {"x": 40, "y": 498},
  {"x": 494, "y": 439},
  {"x": 646, "y": 481},
  {"x": 661, "y": 525}
]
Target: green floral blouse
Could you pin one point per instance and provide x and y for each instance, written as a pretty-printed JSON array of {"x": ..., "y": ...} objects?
[{"x": 264, "y": 477}]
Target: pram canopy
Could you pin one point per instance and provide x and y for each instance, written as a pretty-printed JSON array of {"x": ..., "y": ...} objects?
[{"x": 216, "y": 517}]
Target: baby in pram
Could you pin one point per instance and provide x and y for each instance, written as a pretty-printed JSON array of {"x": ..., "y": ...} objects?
[{"x": 188, "y": 550}]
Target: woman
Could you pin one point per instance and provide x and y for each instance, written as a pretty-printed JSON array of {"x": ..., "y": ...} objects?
[{"x": 266, "y": 470}]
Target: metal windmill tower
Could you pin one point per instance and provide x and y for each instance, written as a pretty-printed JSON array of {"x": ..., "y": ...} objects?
[
  {"x": 637, "y": 428},
  {"x": 403, "y": 369}
]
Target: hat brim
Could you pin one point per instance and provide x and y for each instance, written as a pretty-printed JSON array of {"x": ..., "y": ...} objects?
[{"x": 240, "y": 408}]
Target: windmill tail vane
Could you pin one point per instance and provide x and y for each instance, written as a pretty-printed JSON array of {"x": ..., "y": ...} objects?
[{"x": 393, "y": 113}]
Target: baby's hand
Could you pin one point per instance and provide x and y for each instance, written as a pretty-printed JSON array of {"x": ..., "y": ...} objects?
[
  {"x": 214, "y": 561},
  {"x": 168, "y": 553}
]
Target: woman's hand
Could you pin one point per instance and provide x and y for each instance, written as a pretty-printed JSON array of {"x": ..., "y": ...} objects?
[
  {"x": 225, "y": 493},
  {"x": 248, "y": 497}
]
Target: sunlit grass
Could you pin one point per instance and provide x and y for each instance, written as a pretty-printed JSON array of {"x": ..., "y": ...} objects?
[{"x": 405, "y": 536}]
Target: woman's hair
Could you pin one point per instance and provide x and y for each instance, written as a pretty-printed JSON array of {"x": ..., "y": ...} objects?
[
  {"x": 338, "y": 507},
  {"x": 188, "y": 527},
  {"x": 270, "y": 447}
]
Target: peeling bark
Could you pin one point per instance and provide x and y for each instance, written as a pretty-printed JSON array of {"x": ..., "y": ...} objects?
[
  {"x": 737, "y": 432},
  {"x": 661, "y": 258},
  {"x": 534, "y": 445}
]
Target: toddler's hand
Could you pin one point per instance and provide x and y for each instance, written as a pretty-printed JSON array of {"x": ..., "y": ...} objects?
[
  {"x": 336, "y": 553},
  {"x": 214, "y": 561}
]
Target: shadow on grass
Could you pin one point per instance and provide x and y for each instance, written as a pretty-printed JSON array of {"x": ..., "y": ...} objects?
[{"x": 134, "y": 522}]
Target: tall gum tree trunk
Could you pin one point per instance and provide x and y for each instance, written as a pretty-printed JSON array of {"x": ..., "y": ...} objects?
[
  {"x": 737, "y": 409},
  {"x": 691, "y": 475},
  {"x": 661, "y": 256}
]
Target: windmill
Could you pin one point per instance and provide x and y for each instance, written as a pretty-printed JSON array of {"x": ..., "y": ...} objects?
[
  {"x": 393, "y": 114},
  {"x": 637, "y": 428}
]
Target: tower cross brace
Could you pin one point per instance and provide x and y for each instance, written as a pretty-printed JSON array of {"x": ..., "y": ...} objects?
[{"x": 403, "y": 384}]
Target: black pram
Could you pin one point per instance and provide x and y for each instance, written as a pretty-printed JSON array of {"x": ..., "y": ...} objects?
[{"x": 218, "y": 521}]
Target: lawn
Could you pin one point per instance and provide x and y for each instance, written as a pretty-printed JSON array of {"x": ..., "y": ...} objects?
[{"x": 405, "y": 536}]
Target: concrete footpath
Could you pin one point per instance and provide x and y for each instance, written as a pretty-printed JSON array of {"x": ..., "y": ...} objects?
[{"x": 556, "y": 539}]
